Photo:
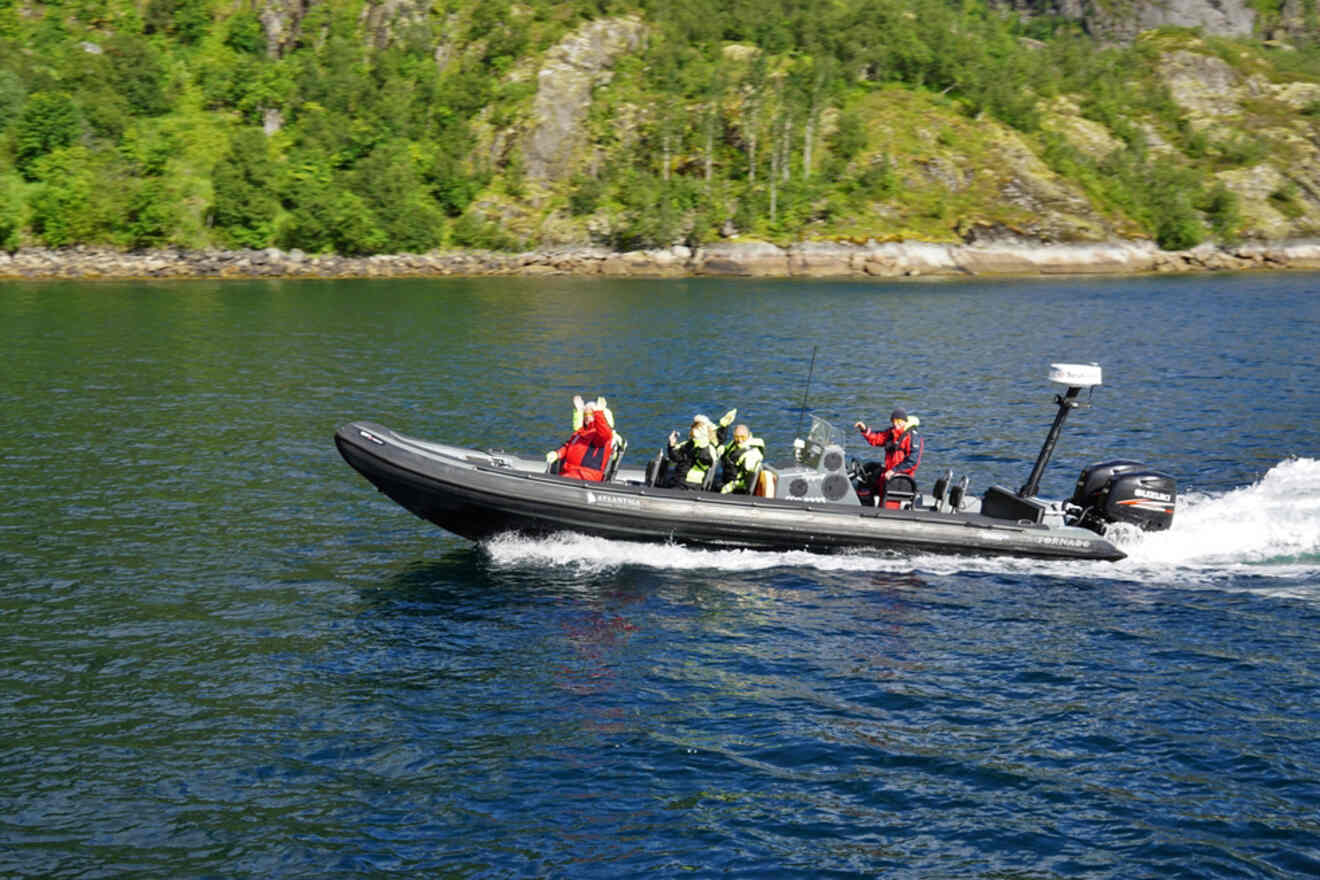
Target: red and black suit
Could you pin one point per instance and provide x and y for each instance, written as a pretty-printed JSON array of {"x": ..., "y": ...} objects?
[
  {"x": 584, "y": 456},
  {"x": 899, "y": 457}
]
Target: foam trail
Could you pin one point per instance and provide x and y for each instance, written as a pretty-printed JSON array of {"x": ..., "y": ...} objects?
[
  {"x": 1268, "y": 528},
  {"x": 589, "y": 554},
  {"x": 1272, "y": 523}
]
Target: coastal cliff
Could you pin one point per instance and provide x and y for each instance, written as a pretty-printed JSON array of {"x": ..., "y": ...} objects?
[{"x": 851, "y": 138}]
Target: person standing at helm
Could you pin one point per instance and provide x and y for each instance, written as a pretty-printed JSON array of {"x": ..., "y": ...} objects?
[
  {"x": 740, "y": 460},
  {"x": 585, "y": 454},
  {"x": 897, "y": 441}
]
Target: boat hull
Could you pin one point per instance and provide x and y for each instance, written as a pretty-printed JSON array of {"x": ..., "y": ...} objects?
[{"x": 477, "y": 495}]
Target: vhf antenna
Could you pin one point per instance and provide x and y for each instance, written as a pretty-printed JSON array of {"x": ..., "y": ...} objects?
[{"x": 805, "y": 390}]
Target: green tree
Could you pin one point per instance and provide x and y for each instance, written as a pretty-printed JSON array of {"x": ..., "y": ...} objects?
[
  {"x": 12, "y": 96},
  {"x": 50, "y": 120},
  {"x": 330, "y": 220},
  {"x": 270, "y": 87},
  {"x": 146, "y": 151},
  {"x": 474, "y": 231},
  {"x": 151, "y": 216},
  {"x": 307, "y": 196},
  {"x": 448, "y": 178},
  {"x": 335, "y": 77},
  {"x": 390, "y": 185},
  {"x": 11, "y": 212},
  {"x": 187, "y": 20},
  {"x": 849, "y": 136},
  {"x": 66, "y": 208},
  {"x": 1170, "y": 198},
  {"x": 324, "y": 216},
  {"x": 244, "y": 33},
  {"x": 93, "y": 12},
  {"x": 585, "y": 195},
  {"x": 225, "y": 78},
  {"x": 245, "y": 206},
  {"x": 1220, "y": 205},
  {"x": 1178, "y": 228},
  {"x": 652, "y": 212},
  {"x": 136, "y": 74},
  {"x": 465, "y": 91}
]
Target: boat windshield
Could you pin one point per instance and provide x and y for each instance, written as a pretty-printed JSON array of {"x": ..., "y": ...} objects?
[{"x": 822, "y": 434}]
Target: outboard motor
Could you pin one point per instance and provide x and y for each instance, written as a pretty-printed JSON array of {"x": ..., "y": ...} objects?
[
  {"x": 1124, "y": 491},
  {"x": 1108, "y": 492}
]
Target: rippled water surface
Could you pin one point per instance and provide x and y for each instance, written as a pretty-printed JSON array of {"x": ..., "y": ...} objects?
[{"x": 223, "y": 654}]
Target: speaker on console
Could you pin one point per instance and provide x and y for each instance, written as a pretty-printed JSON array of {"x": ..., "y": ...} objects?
[{"x": 830, "y": 483}]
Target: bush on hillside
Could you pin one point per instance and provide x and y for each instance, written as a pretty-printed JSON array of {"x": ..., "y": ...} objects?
[
  {"x": 12, "y": 219},
  {"x": 50, "y": 120},
  {"x": 243, "y": 182},
  {"x": 66, "y": 208},
  {"x": 151, "y": 215}
]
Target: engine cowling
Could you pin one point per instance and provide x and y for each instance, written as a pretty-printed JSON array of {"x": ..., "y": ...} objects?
[{"x": 1124, "y": 491}]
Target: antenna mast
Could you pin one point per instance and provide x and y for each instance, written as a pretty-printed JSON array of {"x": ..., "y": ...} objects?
[{"x": 806, "y": 388}]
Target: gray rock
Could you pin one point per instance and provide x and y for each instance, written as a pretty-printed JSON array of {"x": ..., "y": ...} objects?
[
  {"x": 1292, "y": 22},
  {"x": 1204, "y": 85},
  {"x": 1122, "y": 21},
  {"x": 272, "y": 120},
  {"x": 1220, "y": 18},
  {"x": 572, "y": 68},
  {"x": 822, "y": 259},
  {"x": 1067, "y": 259},
  {"x": 758, "y": 258},
  {"x": 391, "y": 21},
  {"x": 752, "y": 258},
  {"x": 281, "y": 22}
]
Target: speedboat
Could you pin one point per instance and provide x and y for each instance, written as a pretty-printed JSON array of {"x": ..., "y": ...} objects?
[{"x": 823, "y": 501}]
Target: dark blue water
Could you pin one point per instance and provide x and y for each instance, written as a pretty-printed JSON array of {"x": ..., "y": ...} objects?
[{"x": 223, "y": 654}]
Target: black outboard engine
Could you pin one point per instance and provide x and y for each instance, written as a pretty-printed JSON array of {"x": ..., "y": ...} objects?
[{"x": 1123, "y": 491}]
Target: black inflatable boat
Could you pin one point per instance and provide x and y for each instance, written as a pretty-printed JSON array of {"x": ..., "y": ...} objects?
[{"x": 818, "y": 503}]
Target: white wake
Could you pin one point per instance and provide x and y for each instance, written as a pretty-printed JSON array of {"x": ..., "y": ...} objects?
[{"x": 1270, "y": 528}]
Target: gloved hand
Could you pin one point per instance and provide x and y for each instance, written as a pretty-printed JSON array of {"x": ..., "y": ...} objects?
[
  {"x": 601, "y": 404},
  {"x": 728, "y": 417},
  {"x": 577, "y": 401},
  {"x": 551, "y": 456}
]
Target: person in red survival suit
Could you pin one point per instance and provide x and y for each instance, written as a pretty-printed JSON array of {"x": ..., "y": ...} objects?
[
  {"x": 897, "y": 441},
  {"x": 585, "y": 454}
]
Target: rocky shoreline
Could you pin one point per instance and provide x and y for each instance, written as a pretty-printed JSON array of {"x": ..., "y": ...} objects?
[{"x": 727, "y": 259}]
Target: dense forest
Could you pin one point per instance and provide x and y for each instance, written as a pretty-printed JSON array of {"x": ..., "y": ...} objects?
[{"x": 388, "y": 127}]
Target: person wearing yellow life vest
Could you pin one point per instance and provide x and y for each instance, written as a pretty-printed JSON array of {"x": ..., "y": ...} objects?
[
  {"x": 740, "y": 460},
  {"x": 691, "y": 460}
]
